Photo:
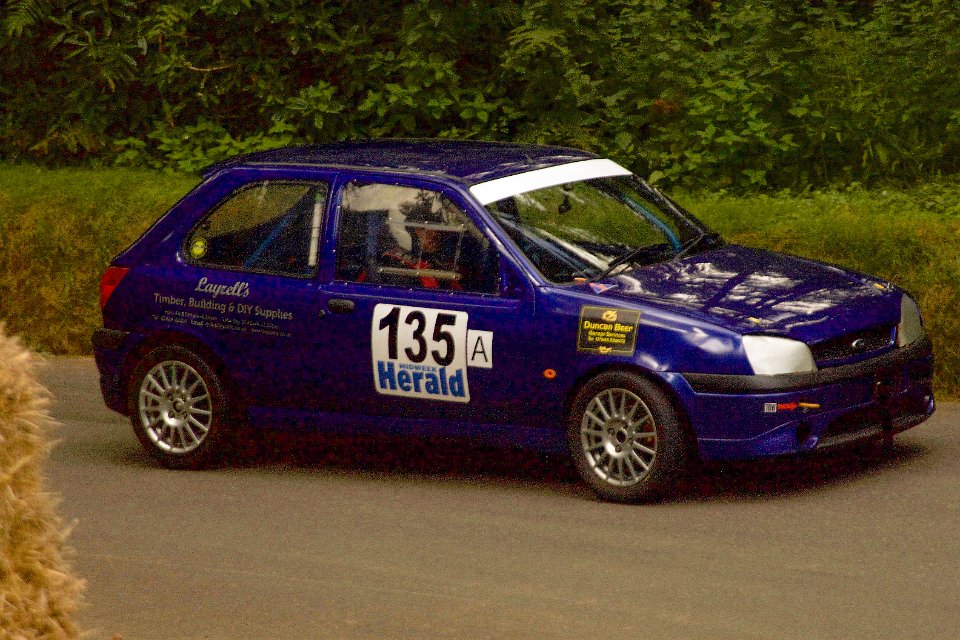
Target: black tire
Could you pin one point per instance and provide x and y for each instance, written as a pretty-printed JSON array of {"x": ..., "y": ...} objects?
[
  {"x": 180, "y": 409},
  {"x": 626, "y": 439}
]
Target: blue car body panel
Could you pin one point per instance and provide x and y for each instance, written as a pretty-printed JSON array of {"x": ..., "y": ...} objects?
[{"x": 317, "y": 369}]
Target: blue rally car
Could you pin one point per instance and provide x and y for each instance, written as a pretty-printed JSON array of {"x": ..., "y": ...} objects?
[{"x": 522, "y": 295}]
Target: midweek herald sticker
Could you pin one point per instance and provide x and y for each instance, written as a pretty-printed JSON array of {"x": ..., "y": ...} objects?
[
  {"x": 607, "y": 331},
  {"x": 424, "y": 353}
]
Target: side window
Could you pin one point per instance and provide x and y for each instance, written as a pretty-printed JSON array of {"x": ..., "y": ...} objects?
[
  {"x": 269, "y": 226},
  {"x": 409, "y": 237}
]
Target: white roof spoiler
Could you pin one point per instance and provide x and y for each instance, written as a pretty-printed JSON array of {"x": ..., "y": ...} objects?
[{"x": 493, "y": 190}]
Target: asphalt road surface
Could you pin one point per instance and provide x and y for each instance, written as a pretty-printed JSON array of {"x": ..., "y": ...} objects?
[{"x": 319, "y": 538}]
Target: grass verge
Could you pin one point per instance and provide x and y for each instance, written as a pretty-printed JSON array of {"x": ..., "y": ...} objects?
[{"x": 59, "y": 229}]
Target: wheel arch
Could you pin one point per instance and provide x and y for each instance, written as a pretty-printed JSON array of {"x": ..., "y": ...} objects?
[
  {"x": 647, "y": 375},
  {"x": 186, "y": 341}
]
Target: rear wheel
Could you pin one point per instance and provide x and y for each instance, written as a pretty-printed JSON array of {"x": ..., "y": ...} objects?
[
  {"x": 626, "y": 440},
  {"x": 178, "y": 408}
]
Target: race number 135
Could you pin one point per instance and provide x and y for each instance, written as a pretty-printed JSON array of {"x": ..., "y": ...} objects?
[{"x": 420, "y": 352}]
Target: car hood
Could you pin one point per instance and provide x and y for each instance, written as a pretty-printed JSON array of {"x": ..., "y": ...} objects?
[{"x": 755, "y": 291}]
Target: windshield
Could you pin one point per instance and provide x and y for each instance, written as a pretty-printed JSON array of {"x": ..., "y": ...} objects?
[{"x": 588, "y": 229}]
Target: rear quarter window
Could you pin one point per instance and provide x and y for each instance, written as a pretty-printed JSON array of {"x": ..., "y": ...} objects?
[{"x": 268, "y": 226}]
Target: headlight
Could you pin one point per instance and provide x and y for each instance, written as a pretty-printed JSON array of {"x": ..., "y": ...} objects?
[
  {"x": 769, "y": 355},
  {"x": 910, "y": 328}
]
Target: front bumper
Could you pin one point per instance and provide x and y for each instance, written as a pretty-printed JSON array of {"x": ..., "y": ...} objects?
[{"x": 738, "y": 416}]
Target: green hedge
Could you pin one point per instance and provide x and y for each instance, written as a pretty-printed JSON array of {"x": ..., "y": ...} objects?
[
  {"x": 59, "y": 229},
  {"x": 750, "y": 94}
]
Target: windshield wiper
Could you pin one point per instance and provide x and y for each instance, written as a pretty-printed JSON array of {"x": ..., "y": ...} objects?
[
  {"x": 693, "y": 243},
  {"x": 629, "y": 256}
]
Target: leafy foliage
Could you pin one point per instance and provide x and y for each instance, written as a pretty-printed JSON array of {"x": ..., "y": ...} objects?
[{"x": 749, "y": 94}]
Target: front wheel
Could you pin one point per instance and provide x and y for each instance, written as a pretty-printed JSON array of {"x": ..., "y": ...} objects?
[
  {"x": 625, "y": 437},
  {"x": 178, "y": 408}
]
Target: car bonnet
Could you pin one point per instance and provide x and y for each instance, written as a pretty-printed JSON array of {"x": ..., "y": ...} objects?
[{"x": 755, "y": 291}]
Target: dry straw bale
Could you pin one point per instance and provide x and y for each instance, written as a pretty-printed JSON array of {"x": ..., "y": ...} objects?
[{"x": 38, "y": 590}]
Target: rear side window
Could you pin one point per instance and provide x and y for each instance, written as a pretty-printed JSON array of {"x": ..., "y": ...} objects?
[{"x": 268, "y": 226}]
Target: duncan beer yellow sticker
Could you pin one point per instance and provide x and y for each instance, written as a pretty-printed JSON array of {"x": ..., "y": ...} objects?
[{"x": 607, "y": 331}]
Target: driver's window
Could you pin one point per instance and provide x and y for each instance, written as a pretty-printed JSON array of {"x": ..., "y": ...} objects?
[{"x": 410, "y": 237}]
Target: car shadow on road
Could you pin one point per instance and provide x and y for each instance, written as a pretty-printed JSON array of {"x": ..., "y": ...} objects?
[
  {"x": 456, "y": 461},
  {"x": 791, "y": 475},
  {"x": 438, "y": 458}
]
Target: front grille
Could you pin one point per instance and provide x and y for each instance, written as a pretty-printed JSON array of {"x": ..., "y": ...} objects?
[{"x": 850, "y": 345}]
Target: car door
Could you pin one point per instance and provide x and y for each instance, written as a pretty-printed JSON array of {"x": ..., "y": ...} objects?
[{"x": 417, "y": 303}]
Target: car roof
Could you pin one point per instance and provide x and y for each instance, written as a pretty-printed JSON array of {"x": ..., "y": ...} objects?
[{"x": 470, "y": 162}]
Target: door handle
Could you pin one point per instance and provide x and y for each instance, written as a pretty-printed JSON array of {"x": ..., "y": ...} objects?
[{"x": 339, "y": 305}]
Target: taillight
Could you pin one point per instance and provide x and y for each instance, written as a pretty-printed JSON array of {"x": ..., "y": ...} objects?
[{"x": 109, "y": 282}]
